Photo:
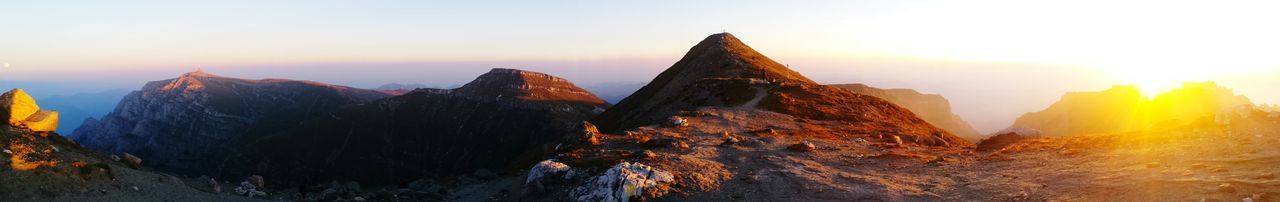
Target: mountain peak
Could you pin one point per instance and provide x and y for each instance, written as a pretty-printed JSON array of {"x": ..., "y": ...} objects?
[
  {"x": 722, "y": 73},
  {"x": 199, "y": 73},
  {"x": 526, "y": 85},
  {"x": 724, "y": 56}
]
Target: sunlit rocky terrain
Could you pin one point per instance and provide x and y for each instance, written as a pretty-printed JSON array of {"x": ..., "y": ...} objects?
[{"x": 723, "y": 123}]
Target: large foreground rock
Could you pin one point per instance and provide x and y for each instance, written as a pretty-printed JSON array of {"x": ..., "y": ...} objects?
[{"x": 19, "y": 109}]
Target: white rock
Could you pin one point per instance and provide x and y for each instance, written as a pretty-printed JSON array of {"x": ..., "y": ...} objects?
[
  {"x": 545, "y": 168},
  {"x": 247, "y": 189},
  {"x": 679, "y": 121},
  {"x": 621, "y": 182}
]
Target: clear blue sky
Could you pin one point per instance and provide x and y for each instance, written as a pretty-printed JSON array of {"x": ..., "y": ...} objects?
[{"x": 1026, "y": 53}]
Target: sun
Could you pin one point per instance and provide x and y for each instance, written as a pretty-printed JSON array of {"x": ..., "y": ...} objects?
[{"x": 1153, "y": 81}]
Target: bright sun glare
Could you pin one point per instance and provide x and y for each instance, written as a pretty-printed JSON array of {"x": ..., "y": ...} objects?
[{"x": 1153, "y": 81}]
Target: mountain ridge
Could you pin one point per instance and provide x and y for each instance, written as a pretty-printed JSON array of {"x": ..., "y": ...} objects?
[{"x": 190, "y": 123}]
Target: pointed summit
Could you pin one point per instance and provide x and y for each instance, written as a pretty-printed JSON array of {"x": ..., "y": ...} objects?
[
  {"x": 722, "y": 73},
  {"x": 725, "y": 56},
  {"x": 527, "y": 85}
]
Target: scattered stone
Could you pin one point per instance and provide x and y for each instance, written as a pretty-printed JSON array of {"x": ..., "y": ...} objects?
[
  {"x": 113, "y": 157},
  {"x": 621, "y": 182},
  {"x": 248, "y": 190},
  {"x": 803, "y": 146},
  {"x": 937, "y": 161},
  {"x": 1226, "y": 188},
  {"x": 898, "y": 140},
  {"x": 679, "y": 121},
  {"x": 134, "y": 188},
  {"x": 666, "y": 143},
  {"x": 729, "y": 139},
  {"x": 359, "y": 198},
  {"x": 649, "y": 155},
  {"x": 590, "y": 133},
  {"x": 133, "y": 161}
]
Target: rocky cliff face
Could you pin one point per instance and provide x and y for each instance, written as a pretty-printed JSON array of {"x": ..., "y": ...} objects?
[
  {"x": 505, "y": 119},
  {"x": 1123, "y": 108},
  {"x": 931, "y": 107},
  {"x": 192, "y": 124}
]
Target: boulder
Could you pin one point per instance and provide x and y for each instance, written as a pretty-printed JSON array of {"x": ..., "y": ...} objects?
[
  {"x": 804, "y": 146},
  {"x": 214, "y": 187},
  {"x": 678, "y": 121},
  {"x": 621, "y": 182},
  {"x": 16, "y": 106},
  {"x": 256, "y": 180},
  {"x": 247, "y": 189},
  {"x": 132, "y": 160},
  {"x": 542, "y": 175},
  {"x": 998, "y": 142},
  {"x": 42, "y": 121},
  {"x": 19, "y": 109},
  {"x": 1226, "y": 188},
  {"x": 544, "y": 169}
]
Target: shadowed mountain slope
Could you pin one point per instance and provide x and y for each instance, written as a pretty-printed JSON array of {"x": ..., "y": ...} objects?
[
  {"x": 505, "y": 119},
  {"x": 192, "y": 123},
  {"x": 721, "y": 71}
]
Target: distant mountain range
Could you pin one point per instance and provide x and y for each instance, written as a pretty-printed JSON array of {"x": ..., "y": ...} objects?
[
  {"x": 398, "y": 86},
  {"x": 614, "y": 92},
  {"x": 1123, "y": 108},
  {"x": 75, "y": 108},
  {"x": 931, "y": 107}
]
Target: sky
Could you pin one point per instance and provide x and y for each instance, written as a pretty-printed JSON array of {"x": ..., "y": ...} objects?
[{"x": 993, "y": 59}]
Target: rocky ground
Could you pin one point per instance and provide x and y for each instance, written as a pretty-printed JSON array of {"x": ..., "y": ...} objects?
[
  {"x": 48, "y": 167},
  {"x": 764, "y": 156}
]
